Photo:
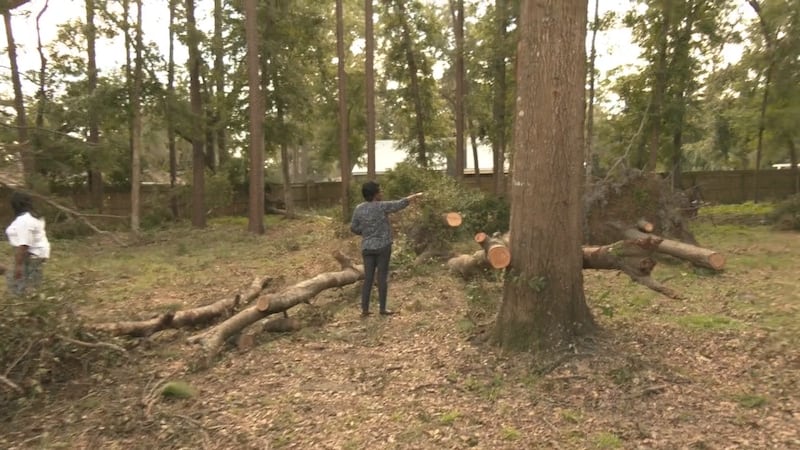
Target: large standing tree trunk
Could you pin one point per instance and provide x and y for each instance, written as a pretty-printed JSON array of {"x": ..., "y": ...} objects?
[
  {"x": 499, "y": 98},
  {"x": 769, "y": 41},
  {"x": 95, "y": 176},
  {"x": 344, "y": 125},
  {"x": 173, "y": 154},
  {"x": 590, "y": 159},
  {"x": 416, "y": 91},
  {"x": 457, "y": 13},
  {"x": 25, "y": 150},
  {"x": 220, "y": 111},
  {"x": 369, "y": 79},
  {"x": 659, "y": 88},
  {"x": 544, "y": 306},
  {"x": 256, "y": 207},
  {"x": 196, "y": 101},
  {"x": 136, "y": 153}
]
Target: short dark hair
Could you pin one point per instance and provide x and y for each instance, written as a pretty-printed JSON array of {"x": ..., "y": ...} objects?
[
  {"x": 369, "y": 190},
  {"x": 21, "y": 203}
]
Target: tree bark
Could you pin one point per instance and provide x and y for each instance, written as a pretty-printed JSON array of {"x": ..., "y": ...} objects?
[
  {"x": 698, "y": 256},
  {"x": 169, "y": 110},
  {"x": 344, "y": 122},
  {"x": 369, "y": 79},
  {"x": 416, "y": 91},
  {"x": 220, "y": 112},
  {"x": 457, "y": 13},
  {"x": 544, "y": 307},
  {"x": 136, "y": 147},
  {"x": 185, "y": 318},
  {"x": 633, "y": 257},
  {"x": 95, "y": 176},
  {"x": 496, "y": 249},
  {"x": 196, "y": 102},
  {"x": 499, "y": 97},
  {"x": 25, "y": 151},
  {"x": 256, "y": 97},
  {"x": 590, "y": 158},
  {"x": 302, "y": 292}
]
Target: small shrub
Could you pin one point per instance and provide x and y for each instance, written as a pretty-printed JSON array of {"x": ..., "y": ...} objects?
[
  {"x": 786, "y": 214},
  {"x": 178, "y": 389}
]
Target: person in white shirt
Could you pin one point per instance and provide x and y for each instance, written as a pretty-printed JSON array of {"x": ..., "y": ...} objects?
[{"x": 31, "y": 247}]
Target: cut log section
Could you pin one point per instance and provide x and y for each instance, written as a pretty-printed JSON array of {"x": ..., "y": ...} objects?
[
  {"x": 645, "y": 226},
  {"x": 453, "y": 219},
  {"x": 302, "y": 292},
  {"x": 247, "y": 339},
  {"x": 496, "y": 248},
  {"x": 185, "y": 318},
  {"x": 632, "y": 257},
  {"x": 699, "y": 256}
]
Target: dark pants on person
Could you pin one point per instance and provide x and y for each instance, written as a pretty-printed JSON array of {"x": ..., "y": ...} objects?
[
  {"x": 32, "y": 269},
  {"x": 375, "y": 259}
]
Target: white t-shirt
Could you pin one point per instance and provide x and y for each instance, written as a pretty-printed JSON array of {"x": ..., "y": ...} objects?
[{"x": 28, "y": 230}]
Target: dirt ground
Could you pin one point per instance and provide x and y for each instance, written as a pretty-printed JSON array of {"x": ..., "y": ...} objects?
[{"x": 717, "y": 370}]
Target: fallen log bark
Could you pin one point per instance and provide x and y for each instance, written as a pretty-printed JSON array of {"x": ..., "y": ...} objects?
[
  {"x": 645, "y": 226},
  {"x": 247, "y": 339},
  {"x": 696, "y": 255},
  {"x": 498, "y": 255},
  {"x": 302, "y": 292},
  {"x": 185, "y": 318},
  {"x": 632, "y": 257}
]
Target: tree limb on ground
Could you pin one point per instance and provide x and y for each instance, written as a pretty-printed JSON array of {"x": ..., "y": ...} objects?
[
  {"x": 698, "y": 256},
  {"x": 184, "y": 318},
  {"x": 302, "y": 292},
  {"x": 633, "y": 257}
]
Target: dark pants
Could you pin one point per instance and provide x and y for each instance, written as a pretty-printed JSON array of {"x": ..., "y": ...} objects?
[
  {"x": 31, "y": 276},
  {"x": 375, "y": 259}
]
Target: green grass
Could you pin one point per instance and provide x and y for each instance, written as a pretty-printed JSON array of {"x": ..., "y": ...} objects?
[
  {"x": 747, "y": 208},
  {"x": 751, "y": 400},
  {"x": 708, "y": 322},
  {"x": 606, "y": 440}
]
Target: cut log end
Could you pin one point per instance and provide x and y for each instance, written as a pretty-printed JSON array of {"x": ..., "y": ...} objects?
[
  {"x": 499, "y": 256},
  {"x": 263, "y": 303},
  {"x": 481, "y": 237},
  {"x": 716, "y": 261},
  {"x": 645, "y": 226},
  {"x": 453, "y": 219}
]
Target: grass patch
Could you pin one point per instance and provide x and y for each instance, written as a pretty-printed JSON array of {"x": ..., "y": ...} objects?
[
  {"x": 571, "y": 416},
  {"x": 510, "y": 434},
  {"x": 449, "y": 418},
  {"x": 751, "y": 400},
  {"x": 708, "y": 322},
  {"x": 606, "y": 441}
]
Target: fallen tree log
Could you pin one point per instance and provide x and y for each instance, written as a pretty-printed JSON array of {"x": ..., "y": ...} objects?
[
  {"x": 645, "y": 226},
  {"x": 452, "y": 219},
  {"x": 699, "y": 256},
  {"x": 496, "y": 249},
  {"x": 632, "y": 257},
  {"x": 302, "y": 292},
  {"x": 247, "y": 339},
  {"x": 184, "y": 318}
]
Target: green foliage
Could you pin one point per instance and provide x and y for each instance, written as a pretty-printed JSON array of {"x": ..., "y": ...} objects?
[
  {"x": 786, "y": 214},
  {"x": 708, "y": 322},
  {"x": 751, "y": 400},
  {"x": 480, "y": 211},
  {"x": 607, "y": 441},
  {"x": 178, "y": 389}
]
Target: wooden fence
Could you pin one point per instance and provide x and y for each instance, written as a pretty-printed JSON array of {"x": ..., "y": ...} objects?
[{"x": 726, "y": 187}]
